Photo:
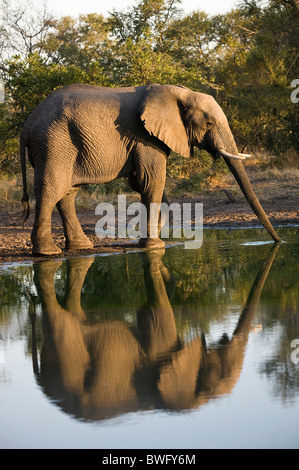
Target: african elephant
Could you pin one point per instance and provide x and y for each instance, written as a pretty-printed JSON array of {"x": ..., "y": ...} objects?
[
  {"x": 83, "y": 134},
  {"x": 96, "y": 370}
]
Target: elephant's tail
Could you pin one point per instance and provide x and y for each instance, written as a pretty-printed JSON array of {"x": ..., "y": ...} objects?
[{"x": 25, "y": 198}]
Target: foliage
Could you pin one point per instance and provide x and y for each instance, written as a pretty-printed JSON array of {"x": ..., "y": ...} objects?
[
  {"x": 246, "y": 59},
  {"x": 256, "y": 77},
  {"x": 145, "y": 65},
  {"x": 192, "y": 175},
  {"x": 9, "y": 145},
  {"x": 79, "y": 42}
]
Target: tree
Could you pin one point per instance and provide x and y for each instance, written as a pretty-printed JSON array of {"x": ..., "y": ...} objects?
[
  {"x": 138, "y": 64},
  {"x": 256, "y": 51},
  {"x": 23, "y": 28},
  {"x": 189, "y": 44},
  {"x": 141, "y": 51},
  {"x": 148, "y": 17},
  {"x": 80, "y": 41}
]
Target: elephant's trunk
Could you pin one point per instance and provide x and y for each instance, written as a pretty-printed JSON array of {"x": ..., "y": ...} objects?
[
  {"x": 222, "y": 138},
  {"x": 238, "y": 170}
]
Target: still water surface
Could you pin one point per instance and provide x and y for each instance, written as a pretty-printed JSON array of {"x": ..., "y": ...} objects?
[{"x": 185, "y": 349}]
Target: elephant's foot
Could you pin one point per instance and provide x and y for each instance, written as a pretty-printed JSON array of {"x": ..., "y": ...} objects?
[
  {"x": 78, "y": 244},
  {"x": 45, "y": 247},
  {"x": 151, "y": 243}
]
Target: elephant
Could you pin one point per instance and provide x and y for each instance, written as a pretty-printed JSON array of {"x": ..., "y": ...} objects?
[
  {"x": 97, "y": 370},
  {"x": 82, "y": 134}
]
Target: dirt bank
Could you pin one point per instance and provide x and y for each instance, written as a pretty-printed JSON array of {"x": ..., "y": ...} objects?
[{"x": 281, "y": 205}]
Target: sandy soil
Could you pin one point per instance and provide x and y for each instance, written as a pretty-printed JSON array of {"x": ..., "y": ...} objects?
[{"x": 279, "y": 200}]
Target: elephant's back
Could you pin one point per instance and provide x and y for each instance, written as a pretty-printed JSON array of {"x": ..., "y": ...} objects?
[
  {"x": 78, "y": 94},
  {"x": 83, "y": 100},
  {"x": 94, "y": 126}
]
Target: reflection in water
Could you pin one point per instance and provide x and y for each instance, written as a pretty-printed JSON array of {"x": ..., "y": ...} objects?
[{"x": 98, "y": 370}]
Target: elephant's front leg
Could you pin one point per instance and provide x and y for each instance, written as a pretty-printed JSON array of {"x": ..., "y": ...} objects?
[
  {"x": 152, "y": 198},
  {"x": 74, "y": 235}
]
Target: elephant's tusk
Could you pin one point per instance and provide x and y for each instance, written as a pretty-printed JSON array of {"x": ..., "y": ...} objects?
[
  {"x": 229, "y": 155},
  {"x": 247, "y": 155}
]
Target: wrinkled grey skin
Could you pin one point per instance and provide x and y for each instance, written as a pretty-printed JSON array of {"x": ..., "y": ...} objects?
[{"x": 84, "y": 134}]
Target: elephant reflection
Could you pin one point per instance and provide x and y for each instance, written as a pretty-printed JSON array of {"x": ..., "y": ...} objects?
[{"x": 96, "y": 371}]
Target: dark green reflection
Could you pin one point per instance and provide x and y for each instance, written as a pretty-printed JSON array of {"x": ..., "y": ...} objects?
[{"x": 122, "y": 333}]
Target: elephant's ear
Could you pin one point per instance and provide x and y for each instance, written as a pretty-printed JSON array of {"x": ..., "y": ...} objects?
[{"x": 161, "y": 113}]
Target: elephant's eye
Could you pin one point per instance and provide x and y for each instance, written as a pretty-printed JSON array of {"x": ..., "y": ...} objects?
[{"x": 210, "y": 120}]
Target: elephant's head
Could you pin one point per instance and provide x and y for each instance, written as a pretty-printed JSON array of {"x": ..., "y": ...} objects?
[{"x": 182, "y": 119}]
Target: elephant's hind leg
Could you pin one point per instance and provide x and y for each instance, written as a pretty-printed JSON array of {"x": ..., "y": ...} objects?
[{"x": 74, "y": 235}]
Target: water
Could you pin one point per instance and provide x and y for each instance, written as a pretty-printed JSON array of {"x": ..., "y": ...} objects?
[{"x": 195, "y": 349}]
